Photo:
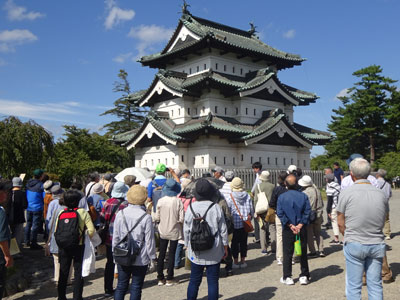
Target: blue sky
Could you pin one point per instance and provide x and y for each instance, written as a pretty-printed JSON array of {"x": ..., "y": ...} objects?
[{"x": 59, "y": 59}]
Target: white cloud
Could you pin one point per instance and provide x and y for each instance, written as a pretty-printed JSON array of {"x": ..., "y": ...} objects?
[
  {"x": 123, "y": 57},
  {"x": 116, "y": 15},
  {"x": 342, "y": 93},
  {"x": 20, "y": 13},
  {"x": 149, "y": 35},
  {"x": 291, "y": 33},
  {"x": 11, "y": 38}
]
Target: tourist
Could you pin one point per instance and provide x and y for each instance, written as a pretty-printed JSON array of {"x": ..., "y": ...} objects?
[
  {"x": 129, "y": 180},
  {"x": 338, "y": 172},
  {"x": 108, "y": 183},
  {"x": 293, "y": 210},
  {"x": 34, "y": 211},
  {"x": 47, "y": 197},
  {"x": 97, "y": 200},
  {"x": 364, "y": 247},
  {"x": 6, "y": 260},
  {"x": 257, "y": 168},
  {"x": 328, "y": 224},
  {"x": 241, "y": 209},
  {"x": 169, "y": 216},
  {"x": 71, "y": 201},
  {"x": 54, "y": 206},
  {"x": 268, "y": 228},
  {"x": 348, "y": 180},
  {"x": 218, "y": 173},
  {"x": 332, "y": 193},
  {"x": 278, "y": 190},
  {"x": 77, "y": 186},
  {"x": 209, "y": 259},
  {"x": 124, "y": 221},
  {"x": 314, "y": 226},
  {"x": 186, "y": 174},
  {"x": 111, "y": 207},
  {"x": 16, "y": 206},
  {"x": 387, "y": 189},
  {"x": 94, "y": 178}
]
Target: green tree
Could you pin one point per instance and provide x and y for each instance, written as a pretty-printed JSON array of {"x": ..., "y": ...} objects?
[
  {"x": 359, "y": 126},
  {"x": 323, "y": 161},
  {"x": 80, "y": 153},
  {"x": 129, "y": 114},
  {"x": 23, "y": 146}
]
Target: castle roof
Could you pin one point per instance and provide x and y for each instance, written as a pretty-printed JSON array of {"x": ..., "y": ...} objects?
[
  {"x": 269, "y": 129},
  {"x": 206, "y": 34}
]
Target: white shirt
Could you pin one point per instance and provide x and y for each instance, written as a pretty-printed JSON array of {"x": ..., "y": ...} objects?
[{"x": 348, "y": 181}]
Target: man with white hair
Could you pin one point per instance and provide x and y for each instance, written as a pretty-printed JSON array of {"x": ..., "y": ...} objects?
[{"x": 364, "y": 247}]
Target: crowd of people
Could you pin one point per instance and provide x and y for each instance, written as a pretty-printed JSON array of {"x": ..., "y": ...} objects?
[{"x": 201, "y": 223}]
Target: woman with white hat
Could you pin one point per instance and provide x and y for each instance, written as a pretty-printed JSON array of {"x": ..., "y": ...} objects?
[{"x": 314, "y": 227}]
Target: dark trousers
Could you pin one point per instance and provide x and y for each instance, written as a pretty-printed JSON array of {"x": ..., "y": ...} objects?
[
  {"x": 171, "y": 259},
  {"x": 256, "y": 230},
  {"x": 65, "y": 259},
  {"x": 196, "y": 275},
  {"x": 329, "y": 210},
  {"x": 124, "y": 275},
  {"x": 288, "y": 239},
  {"x": 239, "y": 243},
  {"x": 109, "y": 270},
  {"x": 228, "y": 260},
  {"x": 33, "y": 223},
  {"x": 3, "y": 275}
]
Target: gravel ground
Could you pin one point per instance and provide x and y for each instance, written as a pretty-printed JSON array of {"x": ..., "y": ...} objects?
[{"x": 259, "y": 281}]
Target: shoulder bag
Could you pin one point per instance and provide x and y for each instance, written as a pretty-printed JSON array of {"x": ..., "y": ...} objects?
[
  {"x": 262, "y": 202},
  {"x": 248, "y": 227}
]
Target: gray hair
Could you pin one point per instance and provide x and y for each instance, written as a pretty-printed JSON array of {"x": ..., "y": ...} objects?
[
  {"x": 360, "y": 168},
  {"x": 382, "y": 173}
]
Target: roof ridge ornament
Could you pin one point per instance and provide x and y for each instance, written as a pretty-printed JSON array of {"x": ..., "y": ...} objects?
[
  {"x": 185, "y": 10},
  {"x": 252, "y": 29}
]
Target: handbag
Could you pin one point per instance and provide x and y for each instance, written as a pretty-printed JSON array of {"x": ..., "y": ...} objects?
[
  {"x": 297, "y": 246},
  {"x": 270, "y": 217},
  {"x": 103, "y": 231},
  {"x": 127, "y": 249},
  {"x": 262, "y": 202},
  {"x": 248, "y": 227}
]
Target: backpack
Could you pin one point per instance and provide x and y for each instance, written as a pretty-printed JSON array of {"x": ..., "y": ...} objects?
[
  {"x": 157, "y": 194},
  {"x": 67, "y": 234},
  {"x": 201, "y": 237},
  {"x": 127, "y": 249}
]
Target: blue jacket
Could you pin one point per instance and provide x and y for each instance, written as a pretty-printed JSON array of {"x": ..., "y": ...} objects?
[
  {"x": 293, "y": 208},
  {"x": 34, "y": 195}
]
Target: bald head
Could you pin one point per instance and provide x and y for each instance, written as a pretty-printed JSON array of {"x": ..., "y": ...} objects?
[{"x": 291, "y": 182}]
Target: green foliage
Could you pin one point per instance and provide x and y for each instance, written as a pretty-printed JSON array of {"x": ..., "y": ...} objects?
[
  {"x": 321, "y": 162},
  {"x": 81, "y": 152},
  {"x": 129, "y": 114},
  {"x": 391, "y": 163},
  {"x": 362, "y": 124},
  {"x": 23, "y": 147}
]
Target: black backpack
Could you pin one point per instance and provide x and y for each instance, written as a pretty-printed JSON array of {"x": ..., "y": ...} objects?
[
  {"x": 67, "y": 233},
  {"x": 201, "y": 237}
]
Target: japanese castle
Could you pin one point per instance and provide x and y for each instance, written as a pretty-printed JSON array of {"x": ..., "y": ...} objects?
[{"x": 217, "y": 100}]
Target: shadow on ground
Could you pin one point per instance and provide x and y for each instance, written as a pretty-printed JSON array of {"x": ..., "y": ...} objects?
[
  {"x": 262, "y": 294},
  {"x": 321, "y": 273}
]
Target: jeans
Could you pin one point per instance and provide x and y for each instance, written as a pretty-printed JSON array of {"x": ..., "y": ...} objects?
[
  {"x": 360, "y": 258},
  {"x": 196, "y": 276},
  {"x": 171, "y": 259},
  {"x": 65, "y": 259},
  {"x": 33, "y": 223},
  {"x": 239, "y": 243},
  {"x": 288, "y": 239},
  {"x": 178, "y": 254},
  {"x": 124, "y": 275},
  {"x": 109, "y": 270}
]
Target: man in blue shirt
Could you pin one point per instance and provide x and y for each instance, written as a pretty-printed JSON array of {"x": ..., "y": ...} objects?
[
  {"x": 293, "y": 210},
  {"x": 338, "y": 172},
  {"x": 6, "y": 259}
]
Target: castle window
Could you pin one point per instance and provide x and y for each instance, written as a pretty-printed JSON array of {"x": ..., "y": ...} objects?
[
  {"x": 216, "y": 66},
  {"x": 268, "y": 160},
  {"x": 254, "y": 111},
  {"x": 203, "y": 109},
  {"x": 166, "y": 161},
  {"x": 179, "y": 111},
  {"x": 234, "y": 161},
  {"x": 159, "y": 161},
  {"x": 205, "y": 66},
  {"x": 259, "y": 159},
  {"x": 298, "y": 162},
  {"x": 304, "y": 163},
  {"x": 183, "y": 158},
  {"x": 233, "y": 70},
  {"x": 291, "y": 161},
  {"x": 251, "y": 159},
  {"x": 224, "y": 160},
  {"x": 247, "y": 110},
  {"x": 172, "y": 113},
  {"x": 284, "y": 161},
  {"x": 195, "y": 111},
  {"x": 215, "y": 159},
  {"x": 198, "y": 68},
  {"x": 202, "y": 160},
  {"x": 237, "y": 111},
  {"x": 145, "y": 162},
  {"x": 190, "y": 70},
  {"x": 276, "y": 161},
  {"x": 194, "y": 161},
  {"x": 152, "y": 162},
  {"x": 242, "y": 157},
  {"x": 216, "y": 109},
  {"x": 173, "y": 161},
  {"x": 241, "y": 71},
  {"x": 224, "y": 68},
  {"x": 226, "y": 111},
  {"x": 188, "y": 111}
]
